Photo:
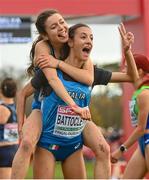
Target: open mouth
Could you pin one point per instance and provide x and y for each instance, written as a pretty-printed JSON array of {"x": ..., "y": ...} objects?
[
  {"x": 63, "y": 35},
  {"x": 87, "y": 50}
]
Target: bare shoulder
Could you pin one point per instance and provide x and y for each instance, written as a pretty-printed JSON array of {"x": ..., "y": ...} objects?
[
  {"x": 4, "y": 111},
  {"x": 144, "y": 93},
  {"x": 143, "y": 97},
  {"x": 42, "y": 44}
]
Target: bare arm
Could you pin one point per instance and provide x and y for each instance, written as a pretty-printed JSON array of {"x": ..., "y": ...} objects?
[
  {"x": 52, "y": 77},
  {"x": 58, "y": 86},
  {"x": 132, "y": 74},
  {"x": 20, "y": 104},
  {"x": 85, "y": 75},
  {"x": 143, "y": 105}
]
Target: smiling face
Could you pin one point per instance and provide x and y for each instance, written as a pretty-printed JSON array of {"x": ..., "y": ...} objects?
[
  {"x": 82, "y": 42},
  {"x": 56, "y": 29}
]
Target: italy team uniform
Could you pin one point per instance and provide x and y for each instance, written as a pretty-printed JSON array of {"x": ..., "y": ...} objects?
[
  {"x": 143, "y": 140},
  {"x": 62, "y": 128},
  {"x": 8, "y": 133},
  {"x": 55, "y": 108}
]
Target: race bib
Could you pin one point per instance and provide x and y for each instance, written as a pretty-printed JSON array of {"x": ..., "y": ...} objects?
[
  {"x": 11, "y": 132},
  {"x": 68, "y": 123}
]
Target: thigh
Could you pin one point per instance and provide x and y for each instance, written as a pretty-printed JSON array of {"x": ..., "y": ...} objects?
[
  {"x": 147, "y": 156},
  {"x": 5, "y": 173},
  {"x": 43, "y": 164},
  {"x": 136, "y": 167},
  {"x": 74, "y": 167},
  {"x": 32, "y": 126},
  {"x": 93, "y": 137}
]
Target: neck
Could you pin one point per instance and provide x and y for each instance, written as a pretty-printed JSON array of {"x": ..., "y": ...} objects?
[
  {"x": 143, "y": 81},
  {"x": 57, "y": 50},
  {"x": 7, "y": 100},
  {"x": 74, "y": 61}
]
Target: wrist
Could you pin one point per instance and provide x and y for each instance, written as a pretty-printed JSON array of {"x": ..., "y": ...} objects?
[
  {"x": 123, "y": 148},
  {"x": 74, "y": 106},
  {"x": 58, "y": 64},
  {"x": 127, "y": 50}
]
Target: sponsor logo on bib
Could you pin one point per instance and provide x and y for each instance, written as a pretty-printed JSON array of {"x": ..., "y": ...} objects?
[{"x": 68, "y": 123}]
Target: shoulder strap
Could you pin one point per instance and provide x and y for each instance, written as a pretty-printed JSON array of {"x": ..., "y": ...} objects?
[
  {"x": 51, "y": 50},
  {"x": 134, "y": 97},
  {"x": 13, "y": 116},
  {"x": 138, "y": 91}
]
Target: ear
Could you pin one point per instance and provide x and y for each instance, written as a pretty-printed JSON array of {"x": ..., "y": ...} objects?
[
  {"x": 70, "y": 43},
  {"x": 141, "y": 72},
  {"x": 45, "y": 37}
]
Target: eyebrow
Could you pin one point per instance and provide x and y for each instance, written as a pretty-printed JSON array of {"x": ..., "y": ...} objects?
[
  {"x": 83, "y": 33},
  {"x": 56, "y": 22}
]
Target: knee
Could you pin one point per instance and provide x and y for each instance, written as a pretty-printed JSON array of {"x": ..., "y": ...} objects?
[
  {"x": 26, "y": 146},
  {"x": 102, "y": 151}
]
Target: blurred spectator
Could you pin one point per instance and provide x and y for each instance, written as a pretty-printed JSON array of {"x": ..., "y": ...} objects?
[{"x": 8, "y": 127}]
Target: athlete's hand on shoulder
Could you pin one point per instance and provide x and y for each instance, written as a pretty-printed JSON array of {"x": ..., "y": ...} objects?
[
  {"x": 44, "y": 61},
  {"x": 84, "y": 112}
]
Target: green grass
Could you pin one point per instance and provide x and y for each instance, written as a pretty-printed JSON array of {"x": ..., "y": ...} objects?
[{"x": 58, "y": 174}]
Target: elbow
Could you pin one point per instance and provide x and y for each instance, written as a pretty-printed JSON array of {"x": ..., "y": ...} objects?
[{"x": 90, "y": 81}]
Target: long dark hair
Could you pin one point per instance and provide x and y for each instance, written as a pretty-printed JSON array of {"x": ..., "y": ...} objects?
[{"x": 40, "y": 25}]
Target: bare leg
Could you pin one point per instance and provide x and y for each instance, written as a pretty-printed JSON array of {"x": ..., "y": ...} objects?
[
  {"x": 44, "y": 164},
  {"x": 31, "y": 134},
  {"x": 147, "y": 156},
  {"x": 94, "y": 139},
  {"x": 5, "y": 173},
  {"x": 73, "y": 167},
  {"x": 136, "y": 167}
]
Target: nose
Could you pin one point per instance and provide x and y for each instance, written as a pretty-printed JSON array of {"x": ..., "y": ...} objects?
[
  {"x": 60, "y": 26},
  {"x": 89, "y": 41}
]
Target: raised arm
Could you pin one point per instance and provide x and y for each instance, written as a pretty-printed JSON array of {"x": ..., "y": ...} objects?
[{"x": 132, "y": 74}]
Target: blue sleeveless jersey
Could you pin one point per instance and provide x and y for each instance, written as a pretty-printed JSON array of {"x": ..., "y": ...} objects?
[
  {"x": 9, "y": 130},
  {"x": 61, "y": 126}
]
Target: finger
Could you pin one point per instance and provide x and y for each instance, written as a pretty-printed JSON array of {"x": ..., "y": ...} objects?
[
  {"x": 130, "y": 36},
  {"x": 44, "y": 64},
  {"x": 84, "y": 114},
  {"x": 41, "y": 60},
  {"x": 121, "y": 33},
  {"x": 114, "y": 160},
  {"x": 123, "y": 28},
  {"x": 88, "y": 114}
]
